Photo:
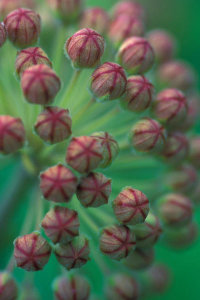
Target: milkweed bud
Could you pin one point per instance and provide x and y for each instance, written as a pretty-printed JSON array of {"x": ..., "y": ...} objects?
[
  {"x": 121, "y": 287},
  {"x": 66, "y": 287},
  {"x": 7, "y": 6},
  {"x": 12, "y": 134},
  {"x": 61, "y": 224},
  {"x": 110, "y": 147},
  {"x": 40, "y": 84},
  {"x": 108, "y": 82},
  {"x": 58, "y": 183},
  {"x": 29, "y": 57},
  {"x": 129, "y": 8},
  {"x": 23, "y": 27},
  {"x": 3, "y": 34},
  {"x": 8, "y": 287},
  {"x": 131, "y": 206},
  {"x": 136, "y": 55},
  {"x": 94, "y": 190},
  {"x": 138, "y": 95},
  {"x": 95, "y": 18},
  {"x": 148, "y": 135},
  {"x": 31, "y": 252},
  {"x": 67, "y": 10},
  {"x": 54, "y": 124},
  {"x": 194, "y": 154},
  {"x": 73, "y": 255},
  {"x": 84, "y": 154},
  {"x": 140, "y": 259},
  {"x": 85, "y": 48},
  {"x": 175, "y": 210},
  {"x": 192, "y": 113},
  {"x": 117, "y": 241}
]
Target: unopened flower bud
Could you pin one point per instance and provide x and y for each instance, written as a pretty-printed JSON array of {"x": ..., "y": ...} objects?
[
  {"x": 7, "y": 6},
  {"x": 129, "y": 8},
  {"x": 94, "y": 190},
  {"x": 131, "y": 206},
  {"x": 61, "y": 224},
  {"x": 58, "y": 183},
  {"x": 8, "y": 287},
  {"x": 3, "y": 34},
  {"x": 194, "y": 154},
  {"x": 67, "y": 10},
  {"x": 136, "y": 55},
  {"x": 29, "y": 57},
  {"x": 95, "y": 18},
  {"x": 54, "y": 124},
  {"x": 85, "y": 48},
  {"x": 117, "y": 241},
  {"x": 140, "y": 258},
  {"x": 84, "y": 154},
  {"x": 31, "y": 252},
  {"x": 108, "y": 82},
  {"x": 12, "y": 134},
  {"x": 73, "y": 255}
]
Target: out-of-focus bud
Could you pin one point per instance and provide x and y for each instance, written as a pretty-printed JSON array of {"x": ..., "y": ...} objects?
[
  {"x": 108, "y": 82},
  {"x": 84, "y": 154},
  {"x": 138, "y": 95},
  {"x": 66, "y": 10},
  {"x": 85, "y": 48},
  {"x": 73, "y": 255},
  {"x": 195, "y": 195},
  {"x": 23, "y": 27},
  {"x": 40, "y": 84},
  {"x": 8, "y": 287},
  {"x": 31, "y": 252},
  {"x": 136, "y": 55},
  {"x": 148, "y": 135},
  {"x": 117, "y": 241},
  {"x": 95, "y": 18},
  {"x": 129, "y": 8},
  {"x": 131, "y": 206},
  {"x": 3, "y": 34},
  {"x": 58, "y": 183},
  {"x": 12, "y": 134},
  {"x": 194, "y": 155},
  {"x": 54, "y": 124},
  {"x": 61, "y": 224},
  {"x": 140, "y": 259},
  {"x": 94, "y": 190},
  {"x": 7, "y": 6}
]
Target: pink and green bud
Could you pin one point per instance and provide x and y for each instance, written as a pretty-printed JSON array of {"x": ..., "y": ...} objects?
[
  {"x": 29, "y": 57},
  {"x": 61, "y": 224},
  {"x": 84, "y": 154},
  {"x": 94, "y": 190},
  {"x": 58, "y": 184},
  {"x": 12, "y": 134},
  {"x": 7, "y": 6},
  {"x": 54, "y": 124},
  {"x": 194, "y": 155},
  {"x": 148, "y": 135},
  {"x": 73, "y": 255},
  {"x": 108, "y": 82},
  {"x": 31, "y": 252},
  {"x": 67, "y": 10},
  {"x": 136, "y": 55},
  {"x": 3, "y": 34},
  {"x": 138, "y": 95},
  {"x": 23, "y": 27},
  {"x": 140, "y": 259},
  {"x": 117, "y": 241},
  {"x": 40, "y": 84},
  {"x": 85, "y": 48},
  {"x": 129, "y": 8},
  {"x": 8, "y": 287},
  {"x": 131, "y": 206},
  {"x": 110, "y": 147},
  {"x": 73, "y": 286}
]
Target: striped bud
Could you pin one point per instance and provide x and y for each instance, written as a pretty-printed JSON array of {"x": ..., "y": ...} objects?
[
  {"x": 8, "y": 287},
  {"x": 7, "y": 6},
  {"x": 3, "y": 34},
  {"x": 66, "y": 10},
  {"x": 129, "y": 8},
  {"x": 194, "y": 155},
  {"x": 140, "y": 259},
  {"x": 95, "y": 18}
]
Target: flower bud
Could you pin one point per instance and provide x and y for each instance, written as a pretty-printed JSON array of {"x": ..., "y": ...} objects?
[
  {"x": 54, "y": 124},
  {"x": 29, "y": 57},
  {"x": 61, "y": 224},
  {"x": 108, "y": 82},
  {"x": 67, "y": 10},
  {"x": 110, "y": 147},
  {"x": 58, "y": 184},
  {"x": 117, "y": 241},
  {"x": 8, "y": 287},
  {"x": 84, "y": 154},
  {"x": 131, "y": 206},
  {"x": 7, "y": 6},
  {"x": 70, "y": 287},
  {"x": 138, "y": 95},
  {"x": 175, "y": 210},
  {"x": 73, "y": 255},
  {"x": 23, "y": 27},
  {"x": 140, "y": 259},
  {"x": 12, "y": 134},
  {"x": 95, "y": 18},
  {"x": 129, "y": 8},
  {"x": 148, "y": 135},
  {"x": 148, "y": 233},
  {"x": 94, "y": 190},
  {"x": 85, "y": 48},
  {"x": 40, "y": 84},
  {"x": 136, "y": 55},
  {"x": 3, "y": 34},
  {"x": 121, "y": 287},
  {"x": 31, "y": 252},
  {"x": 194, "y": 154}
]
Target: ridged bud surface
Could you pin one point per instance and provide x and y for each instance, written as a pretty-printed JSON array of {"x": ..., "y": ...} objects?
[
  {"x": 95, "y": 18},
  {"x": 140, "y": 259},
  {"x": 8, "y": 287}
]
